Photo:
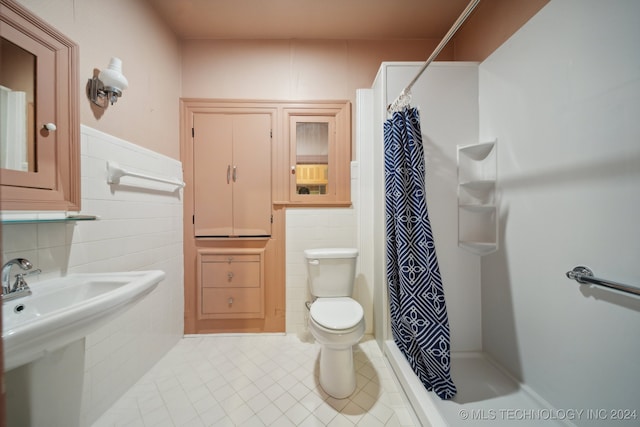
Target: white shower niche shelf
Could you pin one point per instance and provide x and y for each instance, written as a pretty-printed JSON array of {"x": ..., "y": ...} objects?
[{"x": 477, "y": 209}]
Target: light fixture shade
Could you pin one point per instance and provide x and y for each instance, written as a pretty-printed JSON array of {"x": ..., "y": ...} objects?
[{"x": 112, "y": 76}]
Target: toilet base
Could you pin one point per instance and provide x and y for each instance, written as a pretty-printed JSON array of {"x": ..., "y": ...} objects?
[{"x": 337, "y": 372}]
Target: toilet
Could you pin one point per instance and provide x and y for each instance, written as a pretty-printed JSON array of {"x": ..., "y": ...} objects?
[{"x": 336, "y": 320}]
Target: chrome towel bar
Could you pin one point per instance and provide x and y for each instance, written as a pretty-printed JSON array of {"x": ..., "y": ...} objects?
[{"x": 584, "y": 275}]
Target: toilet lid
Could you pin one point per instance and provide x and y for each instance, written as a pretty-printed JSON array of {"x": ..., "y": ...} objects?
[{"x": 336, "y": 313}]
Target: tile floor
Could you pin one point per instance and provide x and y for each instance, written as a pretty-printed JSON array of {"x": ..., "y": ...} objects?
[{"x": 258, "y": 380}]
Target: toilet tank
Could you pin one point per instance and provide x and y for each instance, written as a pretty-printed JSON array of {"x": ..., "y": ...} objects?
[{"x": 331, "y": 271}]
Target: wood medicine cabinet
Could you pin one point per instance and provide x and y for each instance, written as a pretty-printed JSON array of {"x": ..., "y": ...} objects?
[
  {"x": 320, "y": 154},
  {"x": 39, "y": 119}
]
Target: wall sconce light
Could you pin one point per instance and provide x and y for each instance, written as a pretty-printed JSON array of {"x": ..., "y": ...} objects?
[{"x": 108, "y": 86}]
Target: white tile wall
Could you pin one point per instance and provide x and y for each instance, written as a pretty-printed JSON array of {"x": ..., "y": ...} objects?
[
  {"x": 307, "y": 229},
  {"x": 140, "y": 228}
]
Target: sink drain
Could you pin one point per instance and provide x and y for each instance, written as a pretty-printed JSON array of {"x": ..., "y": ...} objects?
[{"x": 18, "y": 308}]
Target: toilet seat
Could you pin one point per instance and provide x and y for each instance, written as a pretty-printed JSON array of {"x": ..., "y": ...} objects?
[{"x": 336, "y": 314}]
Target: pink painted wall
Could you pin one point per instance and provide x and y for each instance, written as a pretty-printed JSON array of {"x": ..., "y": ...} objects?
[
  {"x": 290, "y": 69},
  {"x": 161, "y": 69},
  {"x": 490, "y": 25},
  {"x": 148, "y": 113}
]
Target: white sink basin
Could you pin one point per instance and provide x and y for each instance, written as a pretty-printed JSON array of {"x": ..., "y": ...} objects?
[{"x": 61, "y": 311}]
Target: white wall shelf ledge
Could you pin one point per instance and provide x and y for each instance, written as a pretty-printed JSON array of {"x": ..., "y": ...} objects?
[{"x": 33, "y": 219}]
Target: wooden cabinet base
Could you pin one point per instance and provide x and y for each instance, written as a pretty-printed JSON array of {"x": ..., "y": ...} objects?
[{"x": 258, "y": 304}]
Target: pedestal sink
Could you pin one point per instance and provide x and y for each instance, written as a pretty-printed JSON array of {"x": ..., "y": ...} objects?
[
  {"x": 43, "y": 336},
  {"x": 63, "y": 310}
]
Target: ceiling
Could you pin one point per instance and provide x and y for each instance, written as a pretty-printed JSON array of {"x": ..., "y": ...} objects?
[{"x": 309, "y": 19}]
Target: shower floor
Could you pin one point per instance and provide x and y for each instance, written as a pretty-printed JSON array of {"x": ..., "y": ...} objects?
[{"x": 486, "y": 395}]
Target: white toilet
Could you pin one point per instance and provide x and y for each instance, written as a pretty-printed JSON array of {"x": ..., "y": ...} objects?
[{"x": 335, "y": 319}]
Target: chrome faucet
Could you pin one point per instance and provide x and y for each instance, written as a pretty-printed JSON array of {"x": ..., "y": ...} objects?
[{"x": 20, "y": 287}]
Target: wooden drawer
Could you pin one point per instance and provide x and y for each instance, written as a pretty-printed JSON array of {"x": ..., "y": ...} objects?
[
  {"x": 232, "y": 302},
  {"x": 234, "y": 274},
  {"x": 230, "y": 284},
  {"x": 230, "y": 258}
]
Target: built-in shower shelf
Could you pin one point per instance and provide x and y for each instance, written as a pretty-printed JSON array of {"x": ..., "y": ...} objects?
[
  {"x": 479, "y": 186},
  {"x": 477, "y": 210},
  {"x": 477, "y": 152},
  {"x": 480, "y": 248}
]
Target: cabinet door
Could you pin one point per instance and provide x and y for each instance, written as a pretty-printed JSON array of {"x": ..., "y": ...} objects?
[
  {"x": 319, "y": 141},
  {"x": 39, "y": 163},
  {"x": 212, "y": 157},
  {"x": 251, "y": 175},
  {"x": 232, "y": 174},
  {"x": 28, "y": 156}
]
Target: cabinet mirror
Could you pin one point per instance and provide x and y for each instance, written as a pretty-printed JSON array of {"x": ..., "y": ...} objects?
[
  {"x": 39, "y": 120},
  {"x": 312, "y": 155},
  {"x": 17, "y": 96}
]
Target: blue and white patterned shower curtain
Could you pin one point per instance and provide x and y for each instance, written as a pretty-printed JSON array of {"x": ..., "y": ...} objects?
[{"x": 419, "y": 319}]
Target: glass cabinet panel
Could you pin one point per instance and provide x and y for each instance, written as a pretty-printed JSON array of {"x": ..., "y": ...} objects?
[
  {"x": 17, "y": 106},
  {"x": 313, "y": 157},
  {"x": 26, "y": 79}
]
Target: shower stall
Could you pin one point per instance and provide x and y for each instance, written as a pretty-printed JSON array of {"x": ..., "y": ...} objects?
[
  {"x": 529, "y": 345},
  {"x": 447, "y": 98}
]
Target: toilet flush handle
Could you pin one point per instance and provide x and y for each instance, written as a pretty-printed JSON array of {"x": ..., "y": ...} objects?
[{"x": 314, "y": 262}]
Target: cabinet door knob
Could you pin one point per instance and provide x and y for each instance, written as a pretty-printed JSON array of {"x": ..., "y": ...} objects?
[
  {"x": 51, "y": 127},
  {"x": 228, "y": 173},
  {"x": 293, "y": 170},
  {"x": 230, "y": 275},
  {"x": 230, "y": 301}
]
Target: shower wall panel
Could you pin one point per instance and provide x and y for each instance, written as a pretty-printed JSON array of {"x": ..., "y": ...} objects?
[{"x": 562, "y": 96}]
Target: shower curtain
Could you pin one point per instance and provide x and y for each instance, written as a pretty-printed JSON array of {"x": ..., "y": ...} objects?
[{"x": 419, "y": 321}]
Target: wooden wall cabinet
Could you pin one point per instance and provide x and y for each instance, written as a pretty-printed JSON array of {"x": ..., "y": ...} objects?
[
  {"x": 230, "y": 284},
  {"x": 319, "y": 143},
  {"x": 49, "y": 176},
  {"x": 241, "y": 163}
]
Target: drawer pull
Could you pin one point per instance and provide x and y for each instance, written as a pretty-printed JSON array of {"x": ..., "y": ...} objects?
[
  {"x": 230, "y": 302},
  {"x": 230, "y": 259},
  {"x": 230, "y": 275}
]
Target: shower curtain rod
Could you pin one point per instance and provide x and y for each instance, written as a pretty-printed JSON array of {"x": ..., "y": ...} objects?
[{"x": 404, "y": 97}]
